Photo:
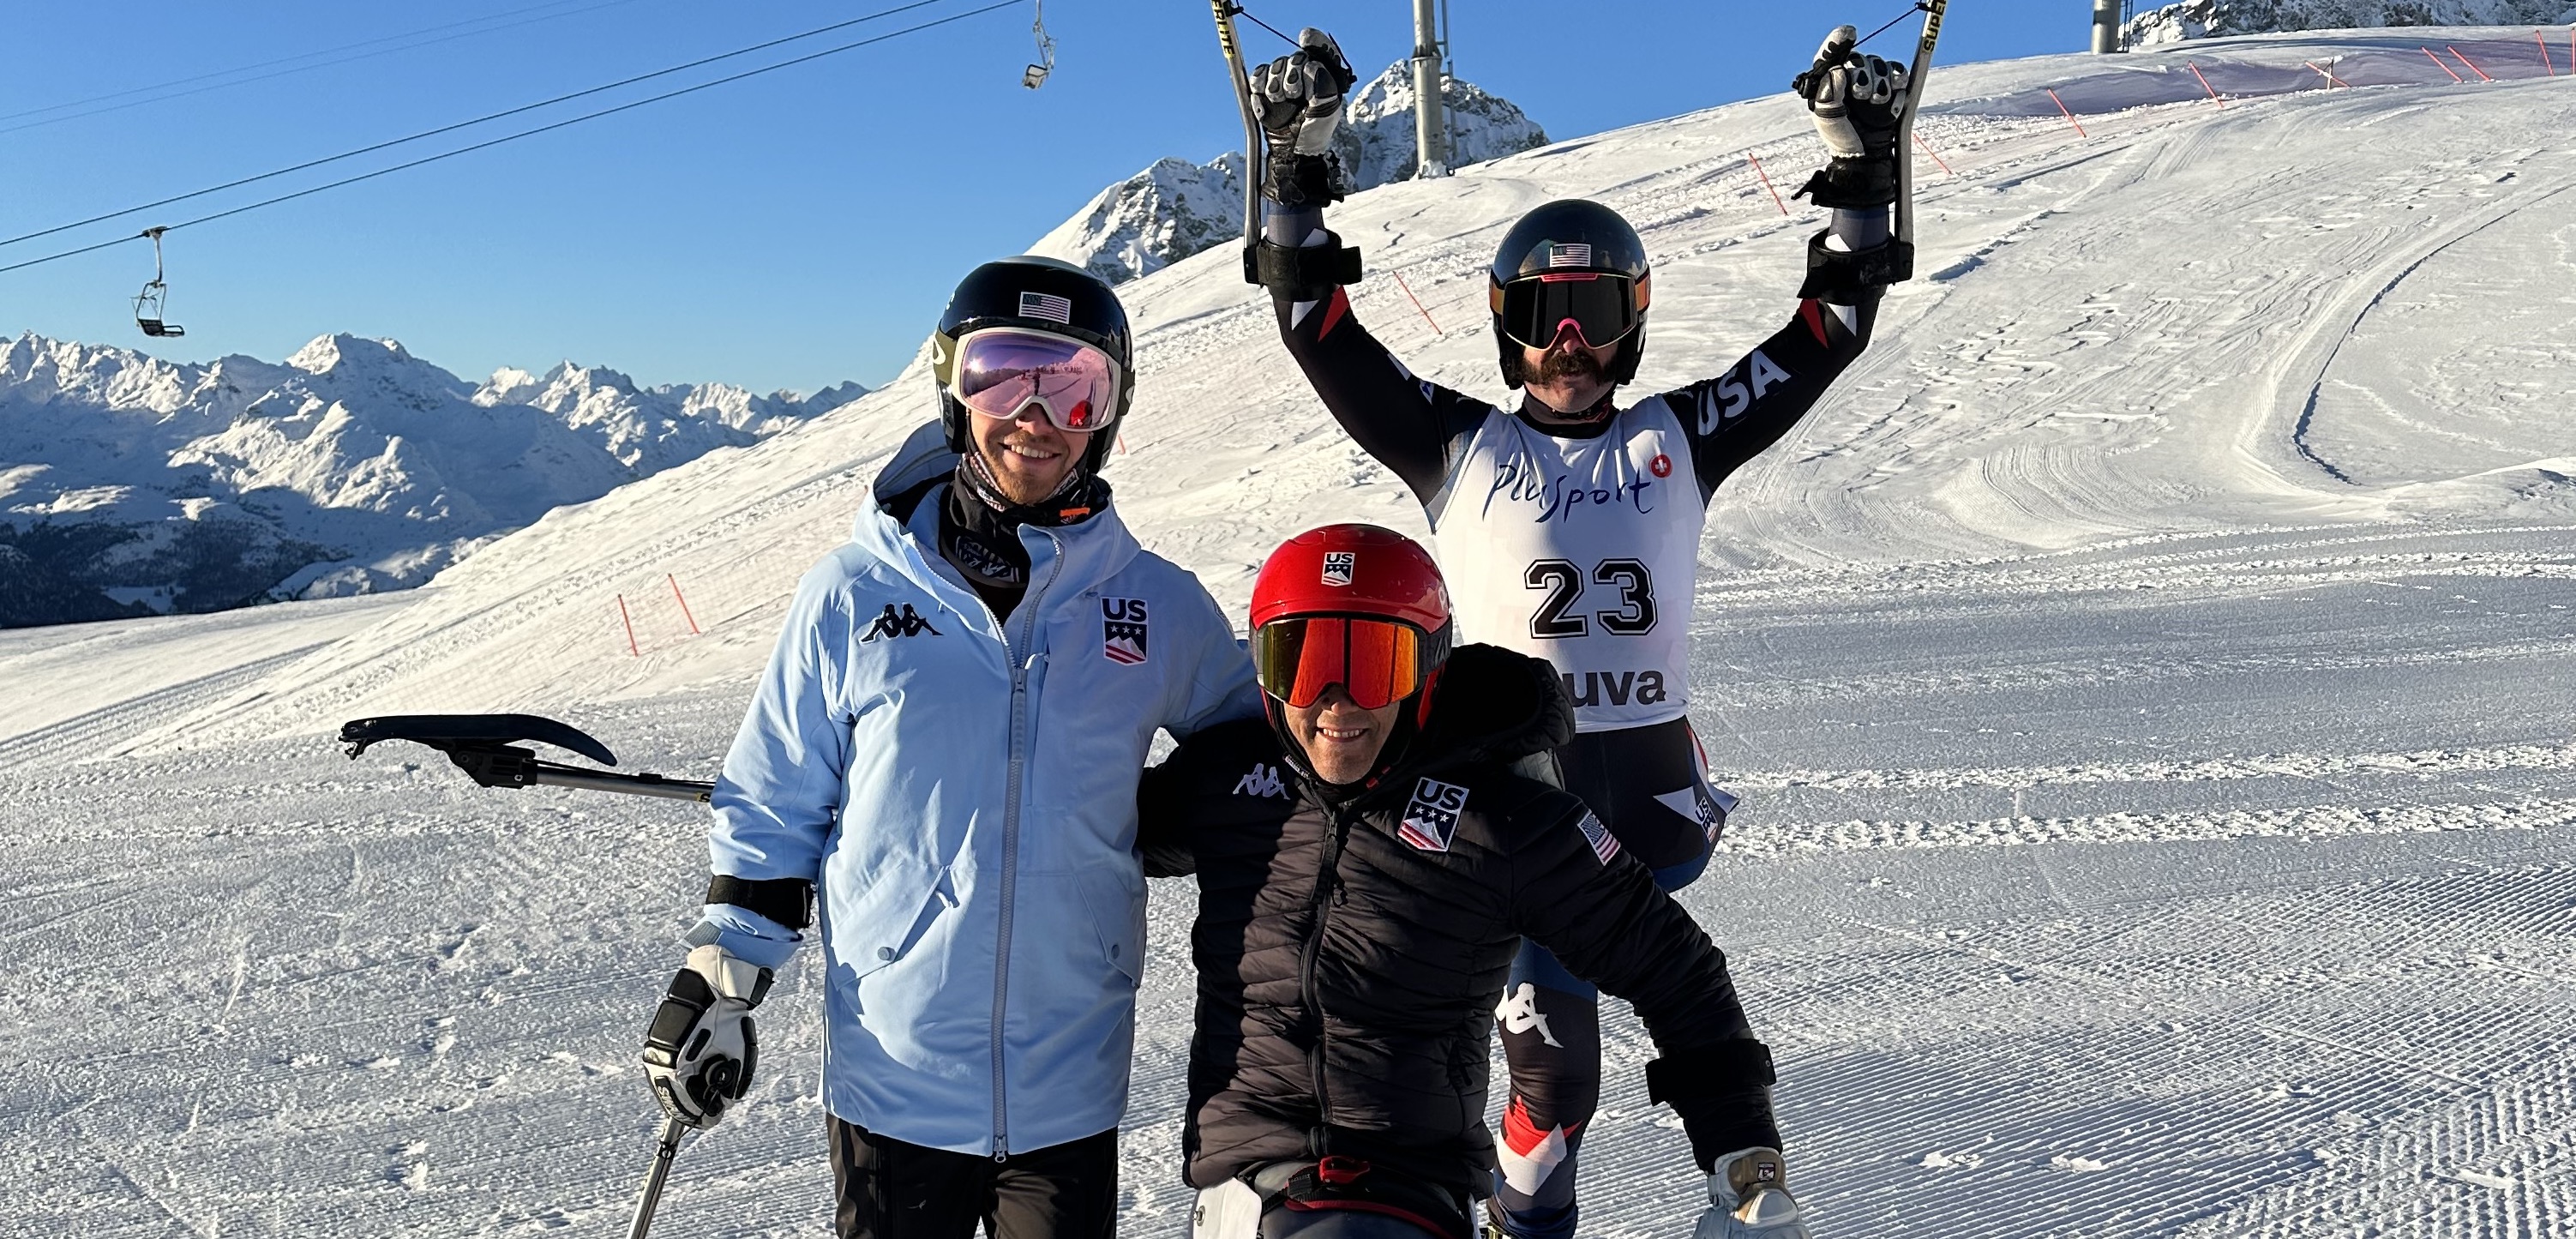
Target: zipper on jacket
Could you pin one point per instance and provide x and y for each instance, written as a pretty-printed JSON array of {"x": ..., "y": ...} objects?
[
  {"x": 1320, "y": 904},
  {"x": 1011, "y": 837}
]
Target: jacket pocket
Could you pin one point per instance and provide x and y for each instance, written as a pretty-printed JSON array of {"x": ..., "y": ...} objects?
[
  {"x": 1116, "y": 900},
  {"x": 883, "y": 925}
]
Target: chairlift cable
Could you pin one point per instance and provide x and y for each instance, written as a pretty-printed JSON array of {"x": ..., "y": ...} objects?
[
  {"x": 290, "y": 60},
  {"x": 526, "y": 133},
  {"x": 465, "y": 124}
]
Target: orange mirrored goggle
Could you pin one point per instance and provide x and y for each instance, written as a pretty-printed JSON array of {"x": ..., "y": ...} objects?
[{"x": 1377, "y": 661}]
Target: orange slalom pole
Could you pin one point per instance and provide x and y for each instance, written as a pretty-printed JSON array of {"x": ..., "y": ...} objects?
[
  {"x": 2204, "y": 85},
  {"x": 2543, "y": 41},
  {"x": 1417, "y": 303},
  {"x": 2437, "y": 63},
  {"x": 1766, "y": 182},
  {"x": 2330, "y": 77},
  {"x": 2070, "y": 116},
  {"x": 630, "y": 627},
  {"x": 2473, "y": 65},
  {"x": 684, "y": 604},
  {"x": 1936, "y": 155}
]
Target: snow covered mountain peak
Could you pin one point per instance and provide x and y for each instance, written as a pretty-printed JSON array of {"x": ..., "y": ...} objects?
[
  {"x": 1175, "y": 208},
  {"x": 131, "y": 484}
]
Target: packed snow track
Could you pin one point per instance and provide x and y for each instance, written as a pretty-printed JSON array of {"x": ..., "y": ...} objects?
[{"x": 2148, "y": 675}]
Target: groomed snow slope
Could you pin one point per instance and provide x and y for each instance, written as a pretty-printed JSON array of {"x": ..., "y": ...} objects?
[{"x": 2148, "y": 673}]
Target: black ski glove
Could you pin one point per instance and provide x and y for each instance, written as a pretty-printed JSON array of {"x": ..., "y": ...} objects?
[
  {"x": 1856, "y": 100},
  {"x": 1299, "y": 98}
]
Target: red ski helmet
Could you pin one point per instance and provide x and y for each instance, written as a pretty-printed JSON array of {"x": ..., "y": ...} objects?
[{"x": 1355, "y": 605}]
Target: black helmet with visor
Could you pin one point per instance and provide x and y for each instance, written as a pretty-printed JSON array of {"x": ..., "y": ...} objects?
[{"x": 1574, "y": 263}]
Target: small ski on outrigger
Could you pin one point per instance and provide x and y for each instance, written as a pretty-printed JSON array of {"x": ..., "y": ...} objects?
[{"x": 487, "y": 747}]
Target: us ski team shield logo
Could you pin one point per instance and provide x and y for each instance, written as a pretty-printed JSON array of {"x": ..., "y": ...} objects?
[
  {"x": 1122, "y": 631},
  {"x": 1431, "y": 819},
  {"x": 1338, "y": 565}
]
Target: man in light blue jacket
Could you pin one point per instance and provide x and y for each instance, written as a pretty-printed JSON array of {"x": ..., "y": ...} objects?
[{"x": 947, "y": 742}]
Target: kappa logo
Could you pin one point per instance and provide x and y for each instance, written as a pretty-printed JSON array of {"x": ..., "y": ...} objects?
[
  {"x": 1518, "y": 1013},
  {"x": 907, "y": 624},
  {"x": 1122, "y": 631},
  {"x": 1338, "y": 566},
  {"x": 1431, "y": 819},
  {"x": 1263, "y": 781},
  {"x": 1604, "y": 844}
]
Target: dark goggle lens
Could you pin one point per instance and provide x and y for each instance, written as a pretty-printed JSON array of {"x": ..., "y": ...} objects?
[
  {"x": 1378, "y": 662},
  {"x": 1603, "y": 307},
  {"x": 1003, "y": 371}
]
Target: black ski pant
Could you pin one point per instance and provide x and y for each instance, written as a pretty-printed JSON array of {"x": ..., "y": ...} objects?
[
  {"x": 887, "y": 1189},
  {"x": 1648, "y": 786}
]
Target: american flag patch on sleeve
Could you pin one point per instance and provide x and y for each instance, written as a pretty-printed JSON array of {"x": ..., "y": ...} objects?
[{"x": 1604, "y": 844}]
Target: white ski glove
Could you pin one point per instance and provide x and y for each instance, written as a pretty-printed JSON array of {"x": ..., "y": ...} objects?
[
  {"x": 1299, "y": 97},
  {"x": 700, "y": 1050},
  {"x": 1856, "y": 101},
  {"x": 1748, "y": 1198}
]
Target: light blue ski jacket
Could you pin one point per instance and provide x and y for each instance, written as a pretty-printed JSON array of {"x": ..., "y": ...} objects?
[{"x": 963, "y": 795}]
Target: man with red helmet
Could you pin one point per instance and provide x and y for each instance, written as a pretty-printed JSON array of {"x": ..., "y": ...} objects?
[
  {"x": 1368, "y": 862},
  {"x": 1570, "y": 526}
]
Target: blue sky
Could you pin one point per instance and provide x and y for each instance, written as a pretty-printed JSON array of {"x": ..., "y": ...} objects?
[{"x": 789, "y": 231}]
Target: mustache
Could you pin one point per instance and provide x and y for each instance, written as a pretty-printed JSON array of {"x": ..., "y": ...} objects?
[{"x": 1568, "y": 363}]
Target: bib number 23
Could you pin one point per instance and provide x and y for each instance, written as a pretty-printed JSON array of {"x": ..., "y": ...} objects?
[{"x": 1563, "y": 580}]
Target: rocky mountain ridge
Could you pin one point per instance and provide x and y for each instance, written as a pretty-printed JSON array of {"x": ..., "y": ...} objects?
[
  {"x": 1176, "y": 208},
  {"x": 132, "y": 485}
]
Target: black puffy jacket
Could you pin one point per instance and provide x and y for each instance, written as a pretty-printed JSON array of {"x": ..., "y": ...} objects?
[{"x": 1351, "y": 950}]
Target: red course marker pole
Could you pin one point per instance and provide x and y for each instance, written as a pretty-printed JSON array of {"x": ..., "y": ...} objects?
[
  {"x": 2543, "y": 41},
  {"x": 2204, "y": 85},
  {"x": 2437, "y": 63},
  {"x": 630, "y": 627},
  {"x": 684, "y": 604},
  {"x": 2473, "y": 67},
  {"x": 1766, "y": 182},
  {"x": 2070, "y": 116},
  {"x": 1417, "y": 303},
  {"x": 1936, "y": 155},
  {"x": 2330, "y": 77}
]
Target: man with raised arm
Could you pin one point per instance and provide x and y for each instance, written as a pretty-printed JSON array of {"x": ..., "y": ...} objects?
[{"x": 1569, "y": 526}]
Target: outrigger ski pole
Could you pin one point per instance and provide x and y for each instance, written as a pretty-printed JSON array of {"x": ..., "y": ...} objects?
[
  {"x": 1915, "y": 77},
  {"x": 485, "y": 747},
  {"x": 672, "y": 1129},
  {"x": 1256, "y": 151}
]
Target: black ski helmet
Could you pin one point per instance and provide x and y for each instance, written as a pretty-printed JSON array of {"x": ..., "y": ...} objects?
[
  {"x": 1567, "y": 236},
  {"x": 1034, "y": 294}
]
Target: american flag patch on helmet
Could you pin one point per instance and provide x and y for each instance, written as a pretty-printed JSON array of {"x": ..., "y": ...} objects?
[
  {"x": 1604, "y": 844},
  {"x": 1048, "y": 306},
  {"x": 1569, "y": 254}
]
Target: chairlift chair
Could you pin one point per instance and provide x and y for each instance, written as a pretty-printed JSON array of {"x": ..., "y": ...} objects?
[
  {"x": 148, "y": 313},
  {"x": 1036, "y": 74}
]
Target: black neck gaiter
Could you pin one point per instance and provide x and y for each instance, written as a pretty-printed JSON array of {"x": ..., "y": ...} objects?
[{"x": 979, "y": 529}]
